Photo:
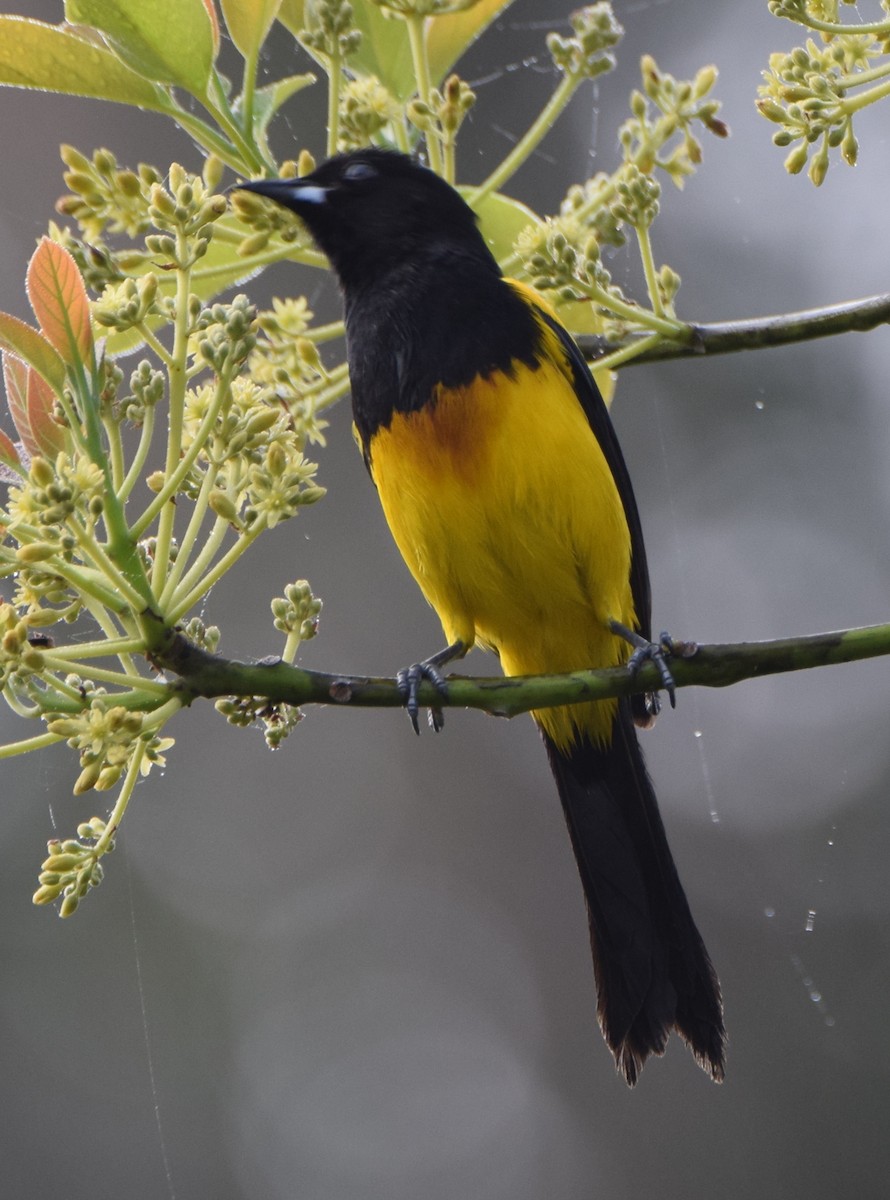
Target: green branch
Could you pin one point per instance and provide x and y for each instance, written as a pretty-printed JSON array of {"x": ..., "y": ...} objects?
[
  {"x": 205, "y": 675},
  {"x": 799, "y": 15},
  {"x": 757, "y": 333}
]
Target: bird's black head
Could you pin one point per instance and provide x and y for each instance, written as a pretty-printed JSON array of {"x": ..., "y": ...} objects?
[{"x": 373, "y": 210}]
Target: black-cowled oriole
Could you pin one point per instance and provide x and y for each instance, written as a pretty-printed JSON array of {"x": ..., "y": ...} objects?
[{"x": 506, "y": 491}]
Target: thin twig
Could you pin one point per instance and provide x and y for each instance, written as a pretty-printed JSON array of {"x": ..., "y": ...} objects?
[
  {"x": 205, "y": 675},
  {"x": 757, "y": 333}
]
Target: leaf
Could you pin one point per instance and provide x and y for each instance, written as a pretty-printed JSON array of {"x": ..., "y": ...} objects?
[
  {"x": 169, "y": 41},
  {"x": 448, "y": 37},
  {"x": 28, "y": 344},
  {"x": 385, "y": 50},
  {"x": 248, "y": 22},
  {"x": 59, "y": 299},
  {"x": 267, "y": 100},
  {"x": 501, "y": 221},
  {"x": 31, "y": 402},
  {"x": 8, "y": 454},
  {"x": 48, "y": 435},
  {"x": 59, "y": 59},
  {"x": 214, "y": 25},
  {"x": 15, "y": 376}
]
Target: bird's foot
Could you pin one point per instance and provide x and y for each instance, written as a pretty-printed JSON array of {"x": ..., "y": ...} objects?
[
  {"x": 410, "y": 678},
  {"x": 646, "y": 651}
]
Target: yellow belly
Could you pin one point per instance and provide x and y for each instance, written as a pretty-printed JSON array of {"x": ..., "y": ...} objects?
[{"x": 505, "y": 511}]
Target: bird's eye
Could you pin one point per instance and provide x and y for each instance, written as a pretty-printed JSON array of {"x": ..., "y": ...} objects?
[{"x": 358, "y": 172}]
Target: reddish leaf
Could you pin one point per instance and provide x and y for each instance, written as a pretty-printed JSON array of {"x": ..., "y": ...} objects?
[
  {"x": 47, "y": 434},
  {"x": 8, "y": 452},
  {"x": 15, "y": 376},
  {"x": 214, "y": 25},
  {"x": 59, "y": 299},
  {"x": 26, "y": 343}
]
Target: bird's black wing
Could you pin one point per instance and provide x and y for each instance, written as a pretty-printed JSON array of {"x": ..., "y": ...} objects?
[{"x": 598, "y": 418}]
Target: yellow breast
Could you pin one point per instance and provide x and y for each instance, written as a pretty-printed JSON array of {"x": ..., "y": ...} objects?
[{"x": 505, "y": 511}]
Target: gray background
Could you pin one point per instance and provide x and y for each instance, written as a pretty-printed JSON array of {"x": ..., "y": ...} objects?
[{"x": 359, "y": 967}]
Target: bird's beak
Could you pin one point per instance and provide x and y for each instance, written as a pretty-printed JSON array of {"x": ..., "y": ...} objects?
[{"x": 292, "y": 193}]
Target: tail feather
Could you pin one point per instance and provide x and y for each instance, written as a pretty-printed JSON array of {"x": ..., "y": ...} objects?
[{"x": 653, "y": 972}]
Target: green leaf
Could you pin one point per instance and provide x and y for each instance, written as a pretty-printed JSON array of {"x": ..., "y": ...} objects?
[
  {"x": 59, "y": 299},
  {"x": 33, "y": 347},
  {"x": 169, "y": 41},
  {"x": 449, "y": 37},
  {"x": 501, "y": 221},
  {"x": 291, "y": 15},
  {"x": 248, "y": 22},
  {"x": 384, "y": 50},
  {"x": 267, "y": 100},
  {"x": 58, "y": 59}
]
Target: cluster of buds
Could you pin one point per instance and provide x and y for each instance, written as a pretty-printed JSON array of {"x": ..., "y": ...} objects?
[
  {"x": 805, "y": 94},
  {"x": 242, "y": 429},
  {"x": 18, "y": 657},
  {"x": 104, "y": 195},
  {"x": 52, "y": 496},
  {"x": 224, "y": 334},
  {"x": 296, "y": 612},
  {"x": 424, "y": 8},
  {"x": 127, "y": 304},
  {"x": 586, "y": 206},
  {"x": 147, "y": 388},
  {"x": 587, "y": 53},
  {"x": 267, "y": 220},
  {"x": 287, "y": 365},
  {"x": 637, "y": 197},
  {"x": 259, "y": 472},
  {"x": 444, "y": 112},
  {"x": 186, "y": 212},
  {"x": 105, "y": 737},
  {"x": 331, "y": 32},
  {"x": 117, "y": 200},
  {"x": 280, "y": 485},
  {"x": 561, "y": 257},
  {"x": 366, "y": 108},
  {"x": 665, "y": 107},
  {"x": 44, "y": 596},
  {"x": 277, "y": 720},
  {"x": 73, "y": 867},
  {"x": 207, "y": 637}
]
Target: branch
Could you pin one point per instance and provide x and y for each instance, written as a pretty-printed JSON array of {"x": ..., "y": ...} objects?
[
  {"x": 205, "y": 675},
  {"x": 758, "y": 333}
]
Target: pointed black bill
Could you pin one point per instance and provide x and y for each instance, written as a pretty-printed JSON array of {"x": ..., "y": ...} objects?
[{"x": 289, "y": 192}]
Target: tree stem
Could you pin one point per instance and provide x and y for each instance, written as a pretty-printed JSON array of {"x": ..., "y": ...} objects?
[
  {"x": 204, "y": 674},
  {"x": 756, "y": 333}
]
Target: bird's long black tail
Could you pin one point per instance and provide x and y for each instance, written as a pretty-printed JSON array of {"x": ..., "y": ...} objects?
[{"x": 653, "y": 973}]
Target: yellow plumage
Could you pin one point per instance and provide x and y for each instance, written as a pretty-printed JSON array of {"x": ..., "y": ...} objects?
[{"x": 468, "y": 486}]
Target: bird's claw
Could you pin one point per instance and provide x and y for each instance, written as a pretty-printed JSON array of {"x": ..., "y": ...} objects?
[
  {"x": 656, "y": 652},
  {"x": 409, "y": 680},
  {"x": 646, "y": 651}
]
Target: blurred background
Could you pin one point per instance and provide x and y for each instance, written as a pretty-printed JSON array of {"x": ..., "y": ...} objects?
[{"x": 359, "y": 967}]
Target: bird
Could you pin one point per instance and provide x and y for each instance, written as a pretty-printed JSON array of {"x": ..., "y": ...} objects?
[{"x": 503, "y": 484}]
